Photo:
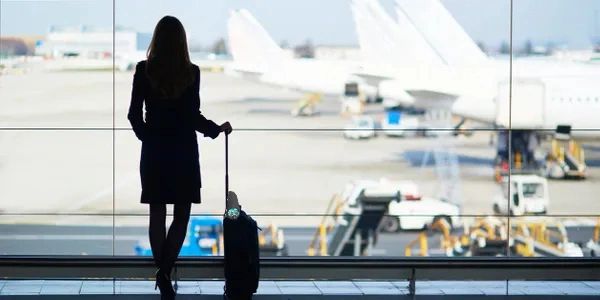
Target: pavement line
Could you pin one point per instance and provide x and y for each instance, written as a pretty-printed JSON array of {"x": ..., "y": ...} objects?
[{"x": 88, "y": 237}]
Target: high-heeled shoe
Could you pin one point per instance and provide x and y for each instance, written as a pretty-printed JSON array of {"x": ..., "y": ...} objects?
[{"x": 163, "y": 282}]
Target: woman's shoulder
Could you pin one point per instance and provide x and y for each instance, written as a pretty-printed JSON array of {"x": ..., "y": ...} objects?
[
  {"x": 140, "y": 65},
  {"x": 196, "y": 72}
]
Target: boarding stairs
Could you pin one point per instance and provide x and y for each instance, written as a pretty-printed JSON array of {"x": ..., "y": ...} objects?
[
  {"x": 566, "y": 159},
  {"x": 542, "y": 239},
  {"x": 356, "y": 226}
]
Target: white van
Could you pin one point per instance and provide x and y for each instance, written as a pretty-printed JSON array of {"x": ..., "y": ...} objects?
[
  {"x": 360, "y": 128},
  {"x": 528, "y": 195}
]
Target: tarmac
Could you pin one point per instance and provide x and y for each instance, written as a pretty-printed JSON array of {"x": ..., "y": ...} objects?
[{"x": 58, "y": 147}]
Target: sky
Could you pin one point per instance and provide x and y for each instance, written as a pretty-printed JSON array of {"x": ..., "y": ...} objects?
[{"x": 566, "y": 22}]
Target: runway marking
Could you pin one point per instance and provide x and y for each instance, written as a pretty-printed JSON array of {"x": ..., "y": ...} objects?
[
  {"x": 89, "y": 237},
  {"x": 102, "y": 237}
]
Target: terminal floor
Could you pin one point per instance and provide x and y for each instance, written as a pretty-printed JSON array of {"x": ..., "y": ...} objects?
[{"x": 92, "y": 289}]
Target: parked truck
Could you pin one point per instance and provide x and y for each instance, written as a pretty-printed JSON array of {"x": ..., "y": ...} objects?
[{"x": 522, "y": 194}]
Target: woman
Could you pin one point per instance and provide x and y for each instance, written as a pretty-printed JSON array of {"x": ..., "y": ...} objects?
[{"x": 168, "y": 83}]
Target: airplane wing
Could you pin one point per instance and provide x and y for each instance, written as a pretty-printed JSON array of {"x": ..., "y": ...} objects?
[{"x": 373, "y": 77}]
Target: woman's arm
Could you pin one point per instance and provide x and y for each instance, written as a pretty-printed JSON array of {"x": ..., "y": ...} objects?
[
  {"x": 136, "y": 114},
  {"x": 202, "y": 124}
]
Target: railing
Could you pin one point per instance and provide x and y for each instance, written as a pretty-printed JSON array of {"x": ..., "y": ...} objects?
[{"x": 309, "y": 268}]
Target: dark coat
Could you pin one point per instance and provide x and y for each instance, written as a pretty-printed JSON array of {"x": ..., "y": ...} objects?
[{"x": 169, "y": 163}]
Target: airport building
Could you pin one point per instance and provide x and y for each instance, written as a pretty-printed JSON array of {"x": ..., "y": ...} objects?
[
  {"x": 326, "y": 52},
  {"x": 86, "y": 42}
]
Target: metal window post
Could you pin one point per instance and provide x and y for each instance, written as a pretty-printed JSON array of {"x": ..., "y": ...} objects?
[
  {"x": 357, "y": 241},
  {"x": 412, "y": 282}
]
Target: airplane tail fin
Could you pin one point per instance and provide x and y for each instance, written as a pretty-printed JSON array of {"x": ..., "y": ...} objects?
[
  {"x": 374, "y": 48},
  {"x": 383, "y": 40},
  {"x": 439, "y": 28},
  {"x": 251, "y": 46}
]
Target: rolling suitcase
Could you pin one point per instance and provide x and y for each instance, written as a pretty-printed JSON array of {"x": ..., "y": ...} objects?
[{"x": 240, "y": 239}]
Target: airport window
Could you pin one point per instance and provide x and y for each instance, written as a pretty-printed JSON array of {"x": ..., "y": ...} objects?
[{"x": 329, "y": 125}]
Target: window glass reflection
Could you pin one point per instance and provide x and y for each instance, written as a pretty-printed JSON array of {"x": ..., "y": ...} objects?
[{"x": 402, "y": 109}]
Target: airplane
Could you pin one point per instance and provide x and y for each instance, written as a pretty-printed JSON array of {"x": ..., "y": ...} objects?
[
  {"x": 460, "y": 77},
  {"x": 257, "y": 56},
  {"x": 419, "y": 63},
  {"x": 428, "y": 64},
  {"x": 546, "y": 95}
]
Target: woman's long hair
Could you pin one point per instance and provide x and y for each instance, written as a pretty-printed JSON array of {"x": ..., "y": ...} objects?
[{"x": 169, "y": 67}]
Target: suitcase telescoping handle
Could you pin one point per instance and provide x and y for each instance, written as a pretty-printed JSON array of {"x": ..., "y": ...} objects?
[
  {"x": 226, "y": 166},
  {"x": 232, "y": 206}
]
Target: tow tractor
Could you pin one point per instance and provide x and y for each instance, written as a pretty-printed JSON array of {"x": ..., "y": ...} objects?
[
  {"x": 528, "y": 195},
  {"x": 205, "y": 238}
]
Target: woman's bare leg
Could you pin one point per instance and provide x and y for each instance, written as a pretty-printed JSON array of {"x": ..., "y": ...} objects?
[
  {"x": 176, "y": 235},
  {"x": 157, "y": 231}
]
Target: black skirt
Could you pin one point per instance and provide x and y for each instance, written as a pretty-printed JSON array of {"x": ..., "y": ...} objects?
[{"x": 170, "y": 169}]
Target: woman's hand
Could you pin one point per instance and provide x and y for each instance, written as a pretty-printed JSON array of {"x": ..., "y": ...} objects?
[{"x": 226, "y": 127}]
